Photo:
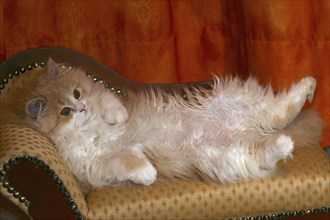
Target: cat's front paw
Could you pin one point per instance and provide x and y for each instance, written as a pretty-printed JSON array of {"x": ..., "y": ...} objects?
[
  {"x": 111, "y": 109},
  {"x": 116, "y": 117},
  {"x": 144, "y": 176}
]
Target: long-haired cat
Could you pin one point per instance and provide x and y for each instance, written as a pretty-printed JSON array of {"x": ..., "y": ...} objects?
[{"x": 236, "y": 130}]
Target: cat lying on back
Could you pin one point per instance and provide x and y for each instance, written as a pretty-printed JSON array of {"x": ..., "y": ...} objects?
[{"x": 234, "y": 131}]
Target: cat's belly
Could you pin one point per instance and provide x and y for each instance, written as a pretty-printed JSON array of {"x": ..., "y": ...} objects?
[{"x": 187, "y": 131}]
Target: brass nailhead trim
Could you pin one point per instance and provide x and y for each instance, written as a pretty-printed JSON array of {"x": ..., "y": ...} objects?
[
  {"x": 66, "y": 194},
  {"x": 29, "y": 67}
]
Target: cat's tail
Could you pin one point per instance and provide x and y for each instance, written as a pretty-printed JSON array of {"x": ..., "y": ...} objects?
[{"x": 305, "y": 130}]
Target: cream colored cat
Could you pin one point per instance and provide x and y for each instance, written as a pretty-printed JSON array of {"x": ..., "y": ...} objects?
[{"x": 234, "y": 131}]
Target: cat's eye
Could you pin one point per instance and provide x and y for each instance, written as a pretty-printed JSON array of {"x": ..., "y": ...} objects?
[
  {"x": 66, "y": 111},
  {"x": 76, "y": 94}
]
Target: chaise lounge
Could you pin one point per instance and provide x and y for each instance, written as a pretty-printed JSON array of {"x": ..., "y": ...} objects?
[{"x": 35, "y": 178}]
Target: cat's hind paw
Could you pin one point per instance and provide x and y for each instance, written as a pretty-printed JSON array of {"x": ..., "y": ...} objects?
[
  {"x": 309, "y": 84},
  {"x": 285, "y": 146}
]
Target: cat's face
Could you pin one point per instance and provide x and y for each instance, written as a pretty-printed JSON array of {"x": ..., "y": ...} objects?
[{"x": 67, "y": 99}]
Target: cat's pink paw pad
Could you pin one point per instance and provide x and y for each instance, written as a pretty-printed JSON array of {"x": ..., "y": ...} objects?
[
  {"x": 310, "y": 86},
  {"x": 285, "y": 146},
  {"x": 145, "y": 176}
]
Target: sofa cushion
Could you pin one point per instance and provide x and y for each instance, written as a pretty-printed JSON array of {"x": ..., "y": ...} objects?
[{"x": 302, "y": 185}]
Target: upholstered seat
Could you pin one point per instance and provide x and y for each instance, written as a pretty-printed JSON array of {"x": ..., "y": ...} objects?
[{"x": 31, "y": 170}]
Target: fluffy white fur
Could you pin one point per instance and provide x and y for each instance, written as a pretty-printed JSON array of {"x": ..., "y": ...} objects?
[{"x": 234, "y": 131}]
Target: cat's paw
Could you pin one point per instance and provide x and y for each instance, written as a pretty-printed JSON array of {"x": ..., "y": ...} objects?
[
  {"x": 144, "y": 176},
  {"x": 284, "y": 146},
  {"x": 309, "y": 84},
  {"x": 111, "y": 109},
  {"x": 116, "y": 117}
]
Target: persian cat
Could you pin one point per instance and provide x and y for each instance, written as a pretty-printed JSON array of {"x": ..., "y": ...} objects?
[{"x": 235, "y": 130}]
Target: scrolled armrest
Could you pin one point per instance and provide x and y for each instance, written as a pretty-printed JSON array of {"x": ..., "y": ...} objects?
[{"x": 33, "y": 174}]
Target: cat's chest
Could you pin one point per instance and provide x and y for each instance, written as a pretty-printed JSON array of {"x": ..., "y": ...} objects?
[{"x": 89, "y": 139}]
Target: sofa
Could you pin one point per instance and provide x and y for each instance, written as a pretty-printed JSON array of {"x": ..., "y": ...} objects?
[{"x": 35, "y": 178}]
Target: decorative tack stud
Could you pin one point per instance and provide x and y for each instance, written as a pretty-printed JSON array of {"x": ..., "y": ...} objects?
[
  {"x": 29, "y": 67},
  {"x": 22, "y": 70}
]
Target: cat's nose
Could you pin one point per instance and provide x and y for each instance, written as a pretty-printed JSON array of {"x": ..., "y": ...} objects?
[{"x": 81, "y": 107}]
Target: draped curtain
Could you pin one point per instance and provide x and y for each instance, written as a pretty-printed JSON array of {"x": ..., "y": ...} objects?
[{"x": 278, "y": 41}]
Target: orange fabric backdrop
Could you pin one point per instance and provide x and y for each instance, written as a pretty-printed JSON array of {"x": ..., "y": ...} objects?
[{"x": 178, "y": 41}]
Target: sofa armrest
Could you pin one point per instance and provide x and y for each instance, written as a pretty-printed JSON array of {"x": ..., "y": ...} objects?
[{"x": 34, "y": 176}]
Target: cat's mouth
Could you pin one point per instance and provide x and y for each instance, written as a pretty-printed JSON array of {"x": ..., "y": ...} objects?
[
  {"x": 82, "y": 116},
  {"x": 80, "y": 107}
]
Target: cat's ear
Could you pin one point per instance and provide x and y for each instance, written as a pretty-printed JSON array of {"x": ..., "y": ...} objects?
[
  {"x": 53, "y": 70},
  {"x": 35, "y": 107}
]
